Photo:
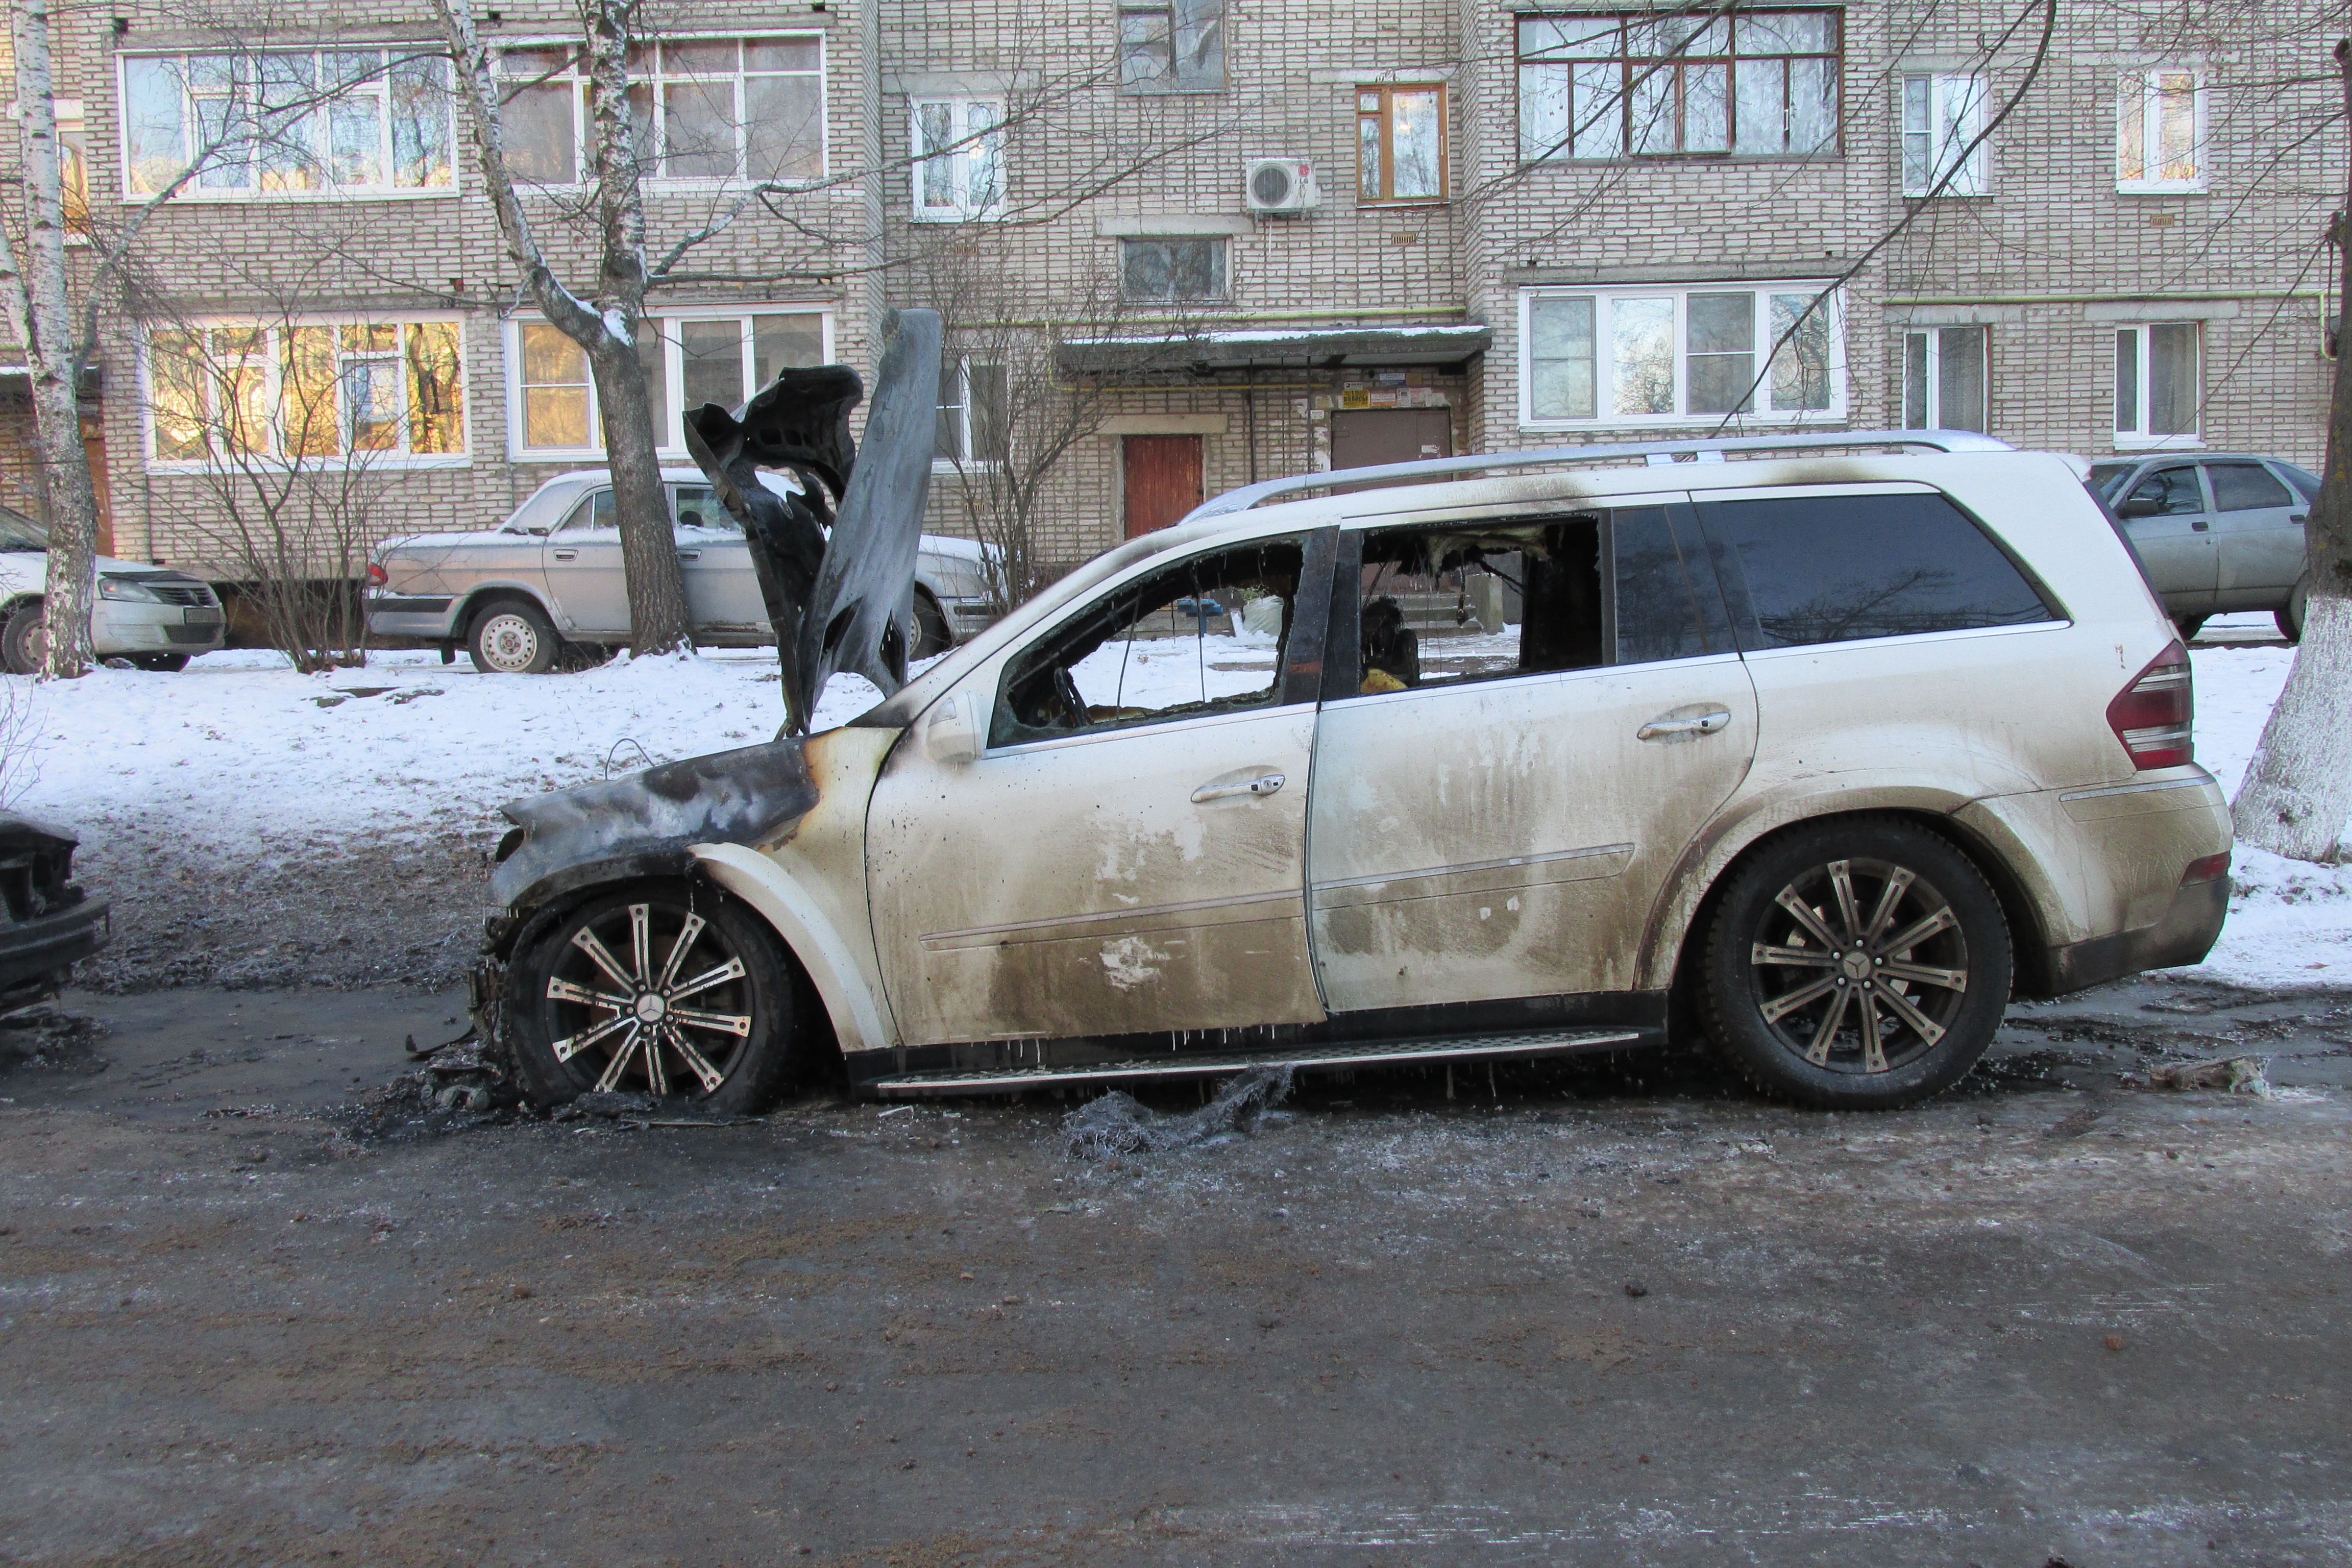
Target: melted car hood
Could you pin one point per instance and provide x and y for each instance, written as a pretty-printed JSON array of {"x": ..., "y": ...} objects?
[{"x": 574, "y": 837}]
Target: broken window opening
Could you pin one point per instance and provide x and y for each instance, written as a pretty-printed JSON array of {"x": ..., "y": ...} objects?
[{"x": 1201, "y": 637}]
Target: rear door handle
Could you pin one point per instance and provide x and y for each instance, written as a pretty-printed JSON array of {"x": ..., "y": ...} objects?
[
  {"x": 1264, "y": 784},
  {"x": 2200, "y": 525},
  {"x": 567, "y": 555},
  {"x": 1706, "y": 723},
  {"x": 2298, "y": 517},
  {"x": 689, "y": 555}
]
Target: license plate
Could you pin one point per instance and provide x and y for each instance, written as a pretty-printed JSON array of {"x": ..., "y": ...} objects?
[{"x": 199, "y": 618}]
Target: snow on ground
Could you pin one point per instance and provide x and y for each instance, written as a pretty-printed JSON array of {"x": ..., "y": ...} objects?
[{"x": 240, "y": 755}]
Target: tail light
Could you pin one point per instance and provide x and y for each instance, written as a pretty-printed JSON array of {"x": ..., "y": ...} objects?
[
  {"x": 2211, "y": 868},
  {"x": 376, "y": 575},
  {"x": 2153, "y": 716}
]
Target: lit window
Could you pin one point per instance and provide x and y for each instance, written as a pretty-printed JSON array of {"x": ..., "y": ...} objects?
[
  {"x": 360, "y": 390},
  {"x": 2161, "y": 132},
  {"x": 1644, "y": 85},
  {"x": 1400, "y": 143},
  {"x": 1944, "y": 383},
  {"x": 701, "y": 108},
  {"x": 688, "y": 360},
  {"x": 328, "y": 122},
  {"x": 1655, "y": 357},
  {"x": 73, "y": 166},
  {"x": 959, "y": 159},
  {"x": 1943, "y": 116},
  {"x": 2157, "y": 384}
]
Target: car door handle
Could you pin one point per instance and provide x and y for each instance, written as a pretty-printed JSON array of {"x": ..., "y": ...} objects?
[
  {"x": 1264, "y": 784},
  {"x": 567, "y": 555},
  {"x": 1705, "y": 723},
  {"x": 2298, "y": 517},
  {"x": 2200, "y": 525},
  {"x": 689, "y": 555}
]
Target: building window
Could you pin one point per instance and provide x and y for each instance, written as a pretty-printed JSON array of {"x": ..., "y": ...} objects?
[
  {"x": 1944, "y": 379},
  {"x": 1181, "y": 269},
  {"x": 1400, "y": 143},
  {"x": 958, "y": 147},
  {"x": 702, "y": 109},
  {"x": 2161, "y": 132},
  {"x": 1942, "y": 118},
  {"x": 688, "y": 359},
  {"x": 1642, "y": 85},
  {"x": 362, "y": 392},
  {"x": 972, "y": 416},
  {"x": 327, "y": 122},
  {"x": 1171, "y": 46},
  {"x": 2156, "y": 385},
  {"x": 1662, "y": 356},
  {"x": 73, "y": 166}
]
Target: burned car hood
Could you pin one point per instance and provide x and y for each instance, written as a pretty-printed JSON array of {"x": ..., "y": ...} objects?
[{"x": 643, "y": 823}]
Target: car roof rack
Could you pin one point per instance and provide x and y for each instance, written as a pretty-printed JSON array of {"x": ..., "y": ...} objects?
[{"x": 1703, "y": 448}]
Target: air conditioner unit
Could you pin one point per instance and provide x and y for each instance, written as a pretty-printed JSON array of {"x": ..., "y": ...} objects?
[{"x": 1280, "y": 185}]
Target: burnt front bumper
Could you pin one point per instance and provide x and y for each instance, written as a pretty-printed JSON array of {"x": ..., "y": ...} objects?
[{"x": 38, "y": 953}]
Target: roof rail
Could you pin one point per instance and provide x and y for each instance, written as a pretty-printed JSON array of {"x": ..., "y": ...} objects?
[{"x": 1703, "y": 447}]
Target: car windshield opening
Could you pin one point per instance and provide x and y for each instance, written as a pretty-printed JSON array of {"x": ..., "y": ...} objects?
[
  {"x": 18, "y": 531},
  {"x": 1201, "y": 637}
]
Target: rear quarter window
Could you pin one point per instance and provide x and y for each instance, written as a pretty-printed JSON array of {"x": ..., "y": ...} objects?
[{"x": 1823, "y": 568}]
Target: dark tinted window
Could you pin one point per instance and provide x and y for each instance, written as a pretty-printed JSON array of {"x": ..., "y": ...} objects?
[
  {"x": 2174, "y": 492},
  {"x": 1668, "y": 604},
  {"x": 2305, "y": 484},
  {"x": 2245, "y": 487},
  {"x": 2106, "y": 476},
  {"x": 1836, "y": 568}
]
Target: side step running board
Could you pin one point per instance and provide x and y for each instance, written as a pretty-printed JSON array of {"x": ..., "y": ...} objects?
[{"x": 1386, "y": 1053}]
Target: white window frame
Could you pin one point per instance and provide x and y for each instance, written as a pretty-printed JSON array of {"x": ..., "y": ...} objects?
[
  {"x": 273, "y": 362},
  {"x": 672, "y": 438},
  {"x": 377, "y": 87},
  {"x": 2140, "y": 438},
  {"x": 1932, "y": 338},
  {"x": 959, "y": 374},
  {"x": 2144, "y": 84},
  {"x": 1605, "y": 296},
  {"x": 950, "y": 173},
  {"x": 1948, "y": 109},
  {"x": 651, "y": 78}
]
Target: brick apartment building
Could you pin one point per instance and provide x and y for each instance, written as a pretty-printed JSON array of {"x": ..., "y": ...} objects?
[{"x": 1310, "y": 235}]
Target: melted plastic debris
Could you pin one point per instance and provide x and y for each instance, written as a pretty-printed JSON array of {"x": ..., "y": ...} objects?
[
  {"x": 1118, "y": 1124},
  {"x": 2236, "y": 1075}
]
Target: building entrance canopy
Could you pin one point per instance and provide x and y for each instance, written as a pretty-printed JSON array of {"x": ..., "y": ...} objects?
[{"x": 1326, "y": 348}]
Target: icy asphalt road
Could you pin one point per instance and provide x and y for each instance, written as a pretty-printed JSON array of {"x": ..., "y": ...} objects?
[{"x": 1617, "y": 1313}]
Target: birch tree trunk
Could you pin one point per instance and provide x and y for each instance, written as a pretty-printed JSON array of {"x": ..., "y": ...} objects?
[
  {"x": 2298, "y": 787},
  {"x": 42, "y": 317},
  {"x": 607, "y": 325}
]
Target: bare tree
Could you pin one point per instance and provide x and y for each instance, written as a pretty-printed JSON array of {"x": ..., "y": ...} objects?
[{"x": 2298, "y": 787}]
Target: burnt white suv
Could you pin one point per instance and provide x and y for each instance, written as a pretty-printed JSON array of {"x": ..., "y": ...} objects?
[{"x": 1827, "y": 756}]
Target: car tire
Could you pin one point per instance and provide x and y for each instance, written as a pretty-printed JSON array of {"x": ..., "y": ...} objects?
[
  {"x": 23, "y": 640},
  {"x": 2289, "y": 615},
  {"x": 734, "y": 1057},
  {"x": 2188, "y": 626},
  {"x": 160, "y": 663},
  {"x": 512, "y": 636},
  {"x": 1776, "y": 986},
  {"x": 932, "y": 634}
]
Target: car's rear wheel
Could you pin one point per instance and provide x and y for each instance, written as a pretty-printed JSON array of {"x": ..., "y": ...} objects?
[
  {"x": 2289, "y": 615},
  {"x": 1860, "y": 965},
  {"x": 511, "y": 637},
  {"x": 24, "y": 639},
  {"x": 2188, "y": 626},
  {"x": 932, "y": 633},
  {"x": 668, "y": 988}
]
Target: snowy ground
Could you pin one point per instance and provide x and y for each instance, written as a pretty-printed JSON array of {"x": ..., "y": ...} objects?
[{"x": 394, "y": 775}]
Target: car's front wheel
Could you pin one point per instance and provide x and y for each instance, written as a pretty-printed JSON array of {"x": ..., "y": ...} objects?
[
  {"x": 511, "y": 637},
  {"x": 932, "y": 634},
  {"x": 2289, "y": 615},
  {"x": 1860, "y": 965},
  {"x": 24, "y": 639},
  {"x": 668, "y": 988}
]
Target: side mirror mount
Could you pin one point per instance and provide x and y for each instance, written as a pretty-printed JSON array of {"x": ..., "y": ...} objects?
[
  {"x": 952, "y": 731},
  {"x": 2137, "y": 507}
]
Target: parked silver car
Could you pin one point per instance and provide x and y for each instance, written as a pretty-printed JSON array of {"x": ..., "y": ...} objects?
[
  {"x": 551, "y": 574},
  {"x": 2220, "y": 531},
  {"x": 151, "y": 615}
]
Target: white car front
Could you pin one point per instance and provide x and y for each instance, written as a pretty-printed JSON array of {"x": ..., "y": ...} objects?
[{"x": 156, "y": 617}]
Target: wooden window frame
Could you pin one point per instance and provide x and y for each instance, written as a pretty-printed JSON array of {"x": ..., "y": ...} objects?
[{"x": 1384, "y": 116}]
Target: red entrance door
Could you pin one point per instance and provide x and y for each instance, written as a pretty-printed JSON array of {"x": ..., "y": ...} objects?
[{"x": 1163, "y": 480}]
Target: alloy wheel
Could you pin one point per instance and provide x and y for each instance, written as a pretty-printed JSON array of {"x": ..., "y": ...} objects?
[
  {"x": 647, "y": 996},
  {"x": 1859, "y": 966}
]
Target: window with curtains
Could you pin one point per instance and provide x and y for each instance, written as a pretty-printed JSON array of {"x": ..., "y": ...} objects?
[
  {"x": 2157, "y": 384},
  {"x": 1945, "y": 386},
  {"x": 1663, "y": 355},
  {"x": 1400, "y": 143},
  {"x": 973, "y": 415},
  {"x": 1943, "y": 118},
  {"x": 702, "y": 109},
  {"x": 688, "y": 359},
  {"x": 2161, "y": 132},
  {"x": 1654, "y": 85},
  {"x": 366, "y": 121},
  {"x": 1171, "y": 46},
  {"x": 959, "y": 149},
  {"x": 364, "y": 391}
]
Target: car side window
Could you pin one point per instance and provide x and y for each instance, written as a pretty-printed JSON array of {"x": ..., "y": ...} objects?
[
  {"x": 2245, "y": 487},
  {"x": 696, "y": 506},
  {"x": 2173, "y": 490},
  {"x": 594, "y": 511},
  {"x": 1820, "y": 569},
  {"x": 1203, "y": 635}
]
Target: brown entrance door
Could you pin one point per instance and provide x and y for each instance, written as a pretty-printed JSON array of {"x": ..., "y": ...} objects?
[
  {"x": 1163, "y": 480},
  {"x": 1363, "y": 436}
]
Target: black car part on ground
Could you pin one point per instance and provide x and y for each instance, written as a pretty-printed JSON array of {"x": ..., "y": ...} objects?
[{"x": 49, "y": 922}]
